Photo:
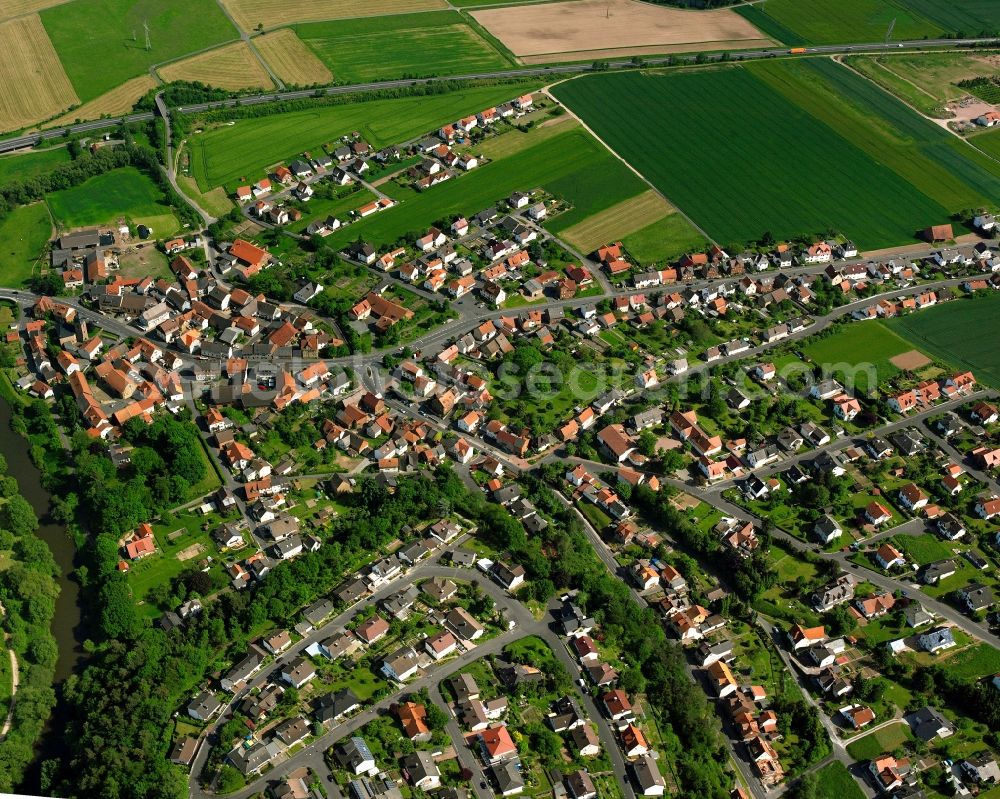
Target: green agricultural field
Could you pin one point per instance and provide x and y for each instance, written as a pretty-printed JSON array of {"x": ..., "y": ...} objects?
[
  {"x": 664, "y": 240},
  {"x": 28, "y": 165},
  {"x": 836, "y": 782},
  {"x": 103, "y": 199},
  {"x": 988, "y": 142},
  {"x": 572, "y": 165},
  {"x": 101, "y": 42},
  {"x": 786, "y": 123},
  {"x": 884, "y": 740},
  {"x": 964, "y": 17},
  {"x": 225, "y": 155},
  {"x": 797, "y": 22},
  {"x": 23, "y": 235},
  {"x": 963, "y": 332},
  {"x": 412, "y": 45},
  {"x": 859, "y": 347}
]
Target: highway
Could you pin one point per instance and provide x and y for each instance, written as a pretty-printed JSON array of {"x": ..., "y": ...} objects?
[{"x": 31, "y": 139}]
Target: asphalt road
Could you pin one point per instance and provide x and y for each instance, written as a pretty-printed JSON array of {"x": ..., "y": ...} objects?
[{"x": 31, "y": 139}]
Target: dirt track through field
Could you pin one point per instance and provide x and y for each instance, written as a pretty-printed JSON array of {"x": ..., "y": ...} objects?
[
  {"x": 291, "y": 59},
  {"x": 33, "y": 83},
  {"x": 231, "y": 67},
  {"x": 582, "y": 28}
]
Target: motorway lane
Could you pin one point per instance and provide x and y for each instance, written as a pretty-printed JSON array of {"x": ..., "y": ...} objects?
[{"x": 29, "y": 140}]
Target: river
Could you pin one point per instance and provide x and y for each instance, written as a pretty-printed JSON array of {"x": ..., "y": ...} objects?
[{"x": 67, "y": 615}]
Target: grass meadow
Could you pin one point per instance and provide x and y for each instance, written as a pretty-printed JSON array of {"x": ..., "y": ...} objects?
[
  {"x": 855, "y": 344},
  {"x": 664, "y": 240},
  {"x": 797, "y": 22},
  {"x": 572, "y": 165},
  {"x": 406, "y": 45},
  {"x": 836, "y": 782},
  {"x": 224, "y": 155},
  {"x": 802, "y": 146},
  {"x": 101, "y": 42},
  {"x": 120, "y": 193},
  {"x": 963, "y": 332},
  {"x": 24, "y": 231},
  {"x": 14, "y": 168}
]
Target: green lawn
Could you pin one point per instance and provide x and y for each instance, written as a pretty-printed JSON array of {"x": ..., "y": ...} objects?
[
  {"x": 572, "y": 165},
  {"x": 836, "y": 782},
  {"x": 880, "y": 741},
  {"x": 410, "y": 45},
  {"x": 830, "y": 21},
  {"x": 101, "y": 42},
  {"x": 227, "y": 154},
  {"x": 32, "y": 163},
  {"x": 664, "y": 240},
  {"x": 962, "y": 332},
  {"x": 923, "y": 549},
  {"x": 974, "y": 662},
  {"x": 103, "y": 199},
  {"x": 897, "y": 172},
  {"x": 861, "y": 349},
  {"x": 24, "y": 232}
]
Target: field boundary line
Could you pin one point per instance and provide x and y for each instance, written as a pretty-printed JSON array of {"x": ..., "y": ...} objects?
[{"x": 545, "y": 90}]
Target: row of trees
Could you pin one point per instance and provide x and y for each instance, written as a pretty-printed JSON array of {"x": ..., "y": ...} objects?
[{"x": 28, "y": 591}]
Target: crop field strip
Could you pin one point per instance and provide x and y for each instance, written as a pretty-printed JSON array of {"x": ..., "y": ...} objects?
[
  {"x": 573, "y": 29},
  {"x": 573, "y": 166},
  {"x": 796, "y": 22},
  {"x": 18, "y": 8},
  {"x": 232, "y": 67},
  {"x": 119, "y": 100},
  {"x": 897, "y": 172},
  {"x": 33, "y": 84},
  {"x": 221, "y": 157},
  {"x": 101, "y": 42},
  {"x": 278, "y": 13},
  {"x": 291, "y": 60},
  {"x": 415, "y": 45},
  {"x": 963, "y": 333},
  {"x": 618, "y": 221}
]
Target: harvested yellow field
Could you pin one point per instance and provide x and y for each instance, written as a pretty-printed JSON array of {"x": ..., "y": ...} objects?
[
  {"x": 583, "y": 27},
  {"x": 617, "y": 221},
  {"x": 16, "y": 8},
  {"x": 275, "y": 13},
  {"x": 231, "y": 67},
  {"x": 33, "y": 83},
  {"x": 290, "y": 59},
  {"x": 118, "y": 101}
]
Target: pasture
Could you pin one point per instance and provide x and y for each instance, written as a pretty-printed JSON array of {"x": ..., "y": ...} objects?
[
  {"x": 414, "y": 45},
  {"x": 24, "y": 232},
  {"x": 787, "y": 123},
  {"x": 832, "y": 21},
  {"x": 962, "y": 332},
  {"x": 33, "y": 84},
  {"x": 856, "y": 352},
  {"x": 580, "y": 29},
  {"x": 276, "y": 13},
  {"x": 102, "y": 45},
  {"x": 232, "y": 67},
  {"x": 617, "y": 221},
  {"x": 926, "y": 81},
  {"x": 573, "y": 166},
  {"x": 225, "y": 154},
  {"x": 35, "y": 162},
  {"x": 664, "y": 240},
  {"x": 103, "y": 199},
  {"x": 119, "y": 100},
  {"x": 290, "y": 59}
]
